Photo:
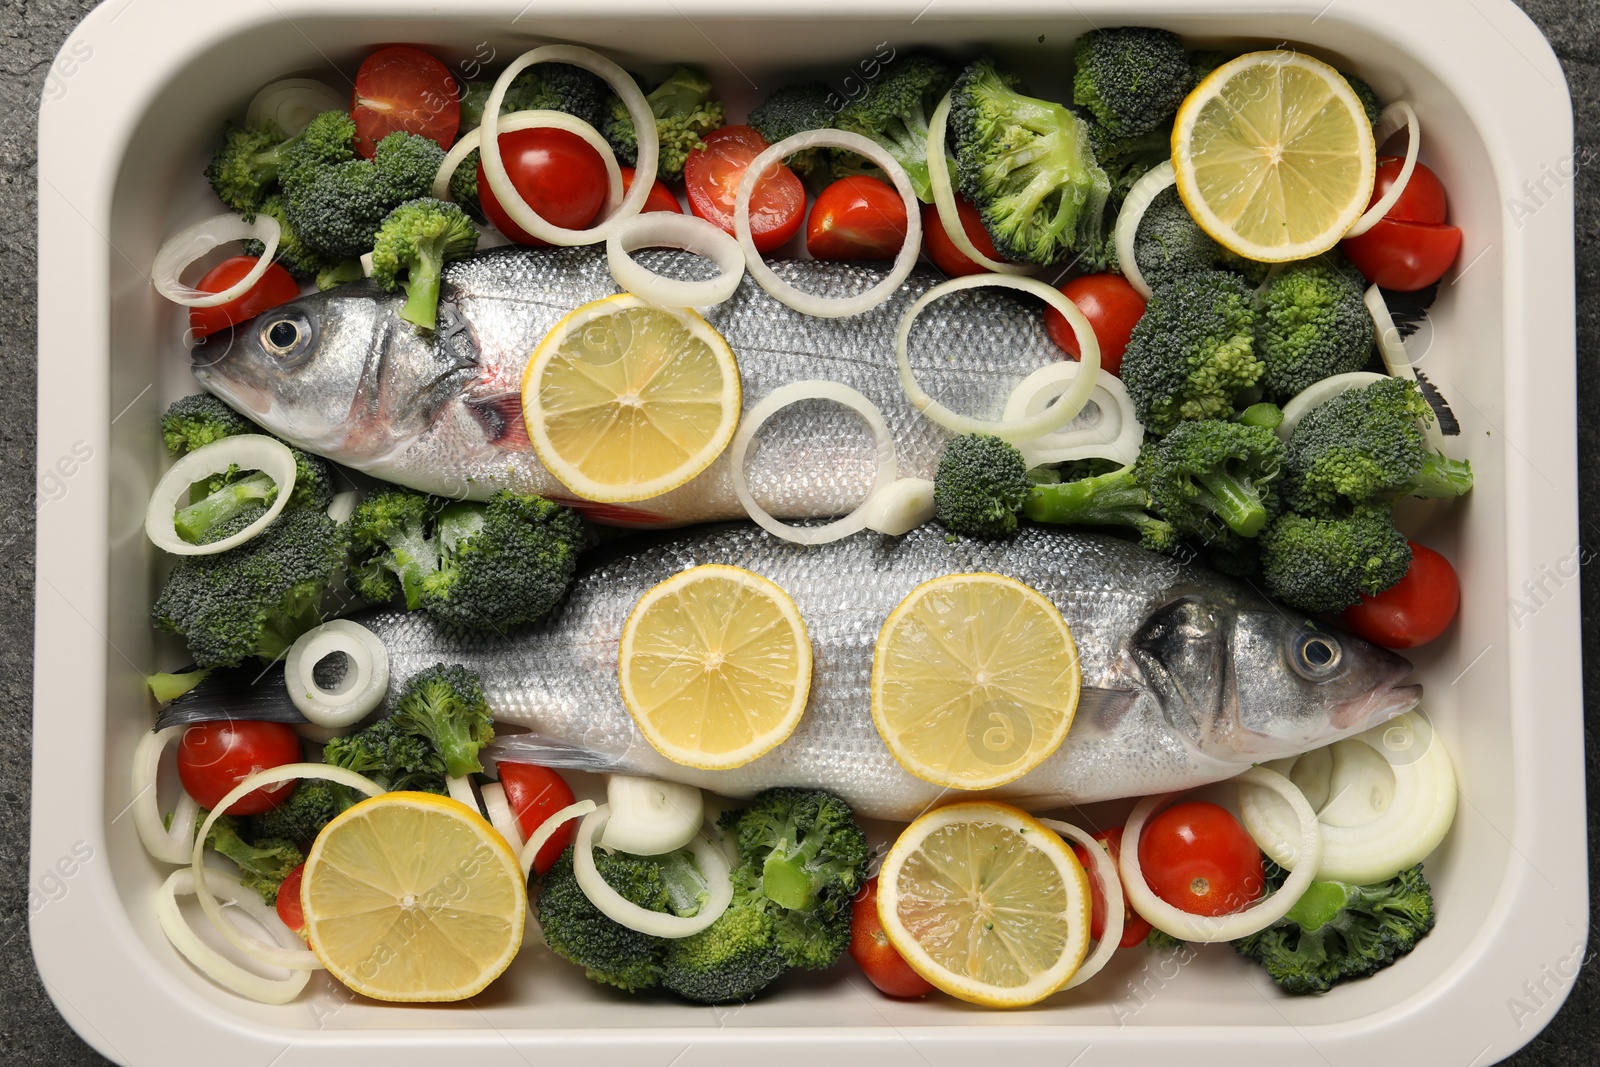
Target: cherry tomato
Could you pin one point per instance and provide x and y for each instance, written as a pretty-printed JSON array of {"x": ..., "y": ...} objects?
[
  {"x": 535, "y": 793},
  {"x": 660, "y": 198},
  {"x": 1413, "y": 611},
  {"x": 1196, "y": 857},
  {"x": 277, "y": 286},
  {"x": 777, "y": 205},
  {"x": 213, "y": 757},
  {"x": 1111, "y": 305},
  {"x": 1411, "y": 246},
  {"x": 1134, "y": 927},
  {"x": 404, "y": 89},
  {"x": 857, "y": 218},
  {"x": 289, "y": 909},
  {"x": 1423, "y": 199},
  {"x": 870, "y": 948},
  {"x": 558, "y": 173},
  {"x": 943, "y": 251}
]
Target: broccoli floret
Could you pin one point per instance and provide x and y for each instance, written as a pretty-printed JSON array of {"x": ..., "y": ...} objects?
[
  {"x": 795, "y": 109},
  {"x": 1115, "y": 498},
  {"x": 980, "y": 486},
  {"x": 293, "y": 255},
  {"x": 391, "y": 548},
  {"x": 414, "y": 243},
  {"x": 731, "y": 960},
  {"x": 232, "y": 491},
  {"x": 169, "y": 687},
  {"x": 1169, "y": 242},
  {"x": 1369, "y": 99},
  {"x": 340, "y": 273},
  {"x": 327, "y": 140},
  {"x": 894, "y": 110},
  {"x": 1337, "y": 931},
  {"x": 244, "y": 171},
  {"x": 444, "y": 705},
  {"x": 1207, "y": 470},
  {"x": 302, "y": 816},
  {"x": 1325, "y": 564},
  {"x": 579, "y": 932},
  {"x": 263, "y": 863},
  {"x": 1027, "y": 166},
  {"x": 502, "y": 563},
  {"x": 1131, "y": 78},
  {"x": 1192, "y": 353},
  {"x": 1127, "y": 159},
  {"x": 684, "y": 113},
  {"x": 257, "y": 598},
  {"x": 389, "y": 754},
  {"x": 542, "y": 87},
  {"x": 1314, "y": 324},
  {"x": 195, "y": 421}
]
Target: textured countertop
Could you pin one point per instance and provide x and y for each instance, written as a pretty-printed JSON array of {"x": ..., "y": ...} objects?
[{"x": 31, "y": 1030}]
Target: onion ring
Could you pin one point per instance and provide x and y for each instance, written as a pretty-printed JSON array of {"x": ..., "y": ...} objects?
[
  {"x": 1117, "y": 436},
  {"x": 498, "y": 810},
  {"x": 944, "y": 197},
  {"x": 188, "y": 245},
  {"x": 167, "y": 844},
  {"x": 250, "y": 451},
  {"x": 291, "y": 103},
  {"x": 1105, "y": 872},
  {"x": 359, "y": 692},
  {"x": 212, "y": 963},
  {"x": 713, "y": 863},
  {"x": 547, "y": 830},
  {"x": 1154, "y": 182},
  {"x": 462, "y": 792},
  {"x": 666, "y": 229},
  {"x": 1397, "y": 115},
  {"x": 518, "y": 121}
]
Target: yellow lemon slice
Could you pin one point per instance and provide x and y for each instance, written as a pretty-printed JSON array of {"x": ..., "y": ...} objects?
[
  {"x": 986, "y": 904},
  {"x": 715, "y": 665},
  {"x": 412, "y": 897},
  {"x": 975, "y": 680},
  {"x": 1274, "y": 156},
  {"x": 624, "y": 400}
]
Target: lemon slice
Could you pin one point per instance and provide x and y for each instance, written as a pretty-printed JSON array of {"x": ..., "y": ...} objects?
[
  {"x": 624, "y": 400},
  {"x": 975, "y": 680},
  {"x": 1274, "y": 156},
  {"x": 986, "y": 904},
  {"x": 715, "y": 665},
  {"x": 412, "y": 897}
]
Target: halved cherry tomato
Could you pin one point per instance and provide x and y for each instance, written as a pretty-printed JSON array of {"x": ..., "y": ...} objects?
[
  {"x": 404, "y": 89},
  {"x": 1411, "y": 246},
  {"x": 535, "y": 793},
  {"x": 213, "y": 757},
  {"x": 558, "y": 173},
  {"x": 1196, "y": 857},
  {"x": 870, "y": 948},
  {"x": 1413, "y": 611},
  {"x": 945, "y": 255},
  {"x": 660, "y": 198},
  {"x": 1134, "y": 927},
  {"x": 777, "y": 205},
  {"x": 1423, "y": 198},
  {"x": 1112, "y": 307},
  {"x": 289, "y": 909},
  {"x": 277, "y": 286},
  {"x": 857, "y": 218}
]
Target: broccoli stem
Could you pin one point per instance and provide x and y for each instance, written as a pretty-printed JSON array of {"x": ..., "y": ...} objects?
[
  {"x": 193, "y": 521},
  {"x": 1236, "y": 503},
  {"x": 1441, "y": 476},
  {"x": 422, "y": 287},
  {"x": 1114, "y": 499},
  {"x": 302, "y": 612},
  {"x": 1320, "y": 905},
  {"x": 686, "y": 887},
  {"x": 786, "y": 877}
]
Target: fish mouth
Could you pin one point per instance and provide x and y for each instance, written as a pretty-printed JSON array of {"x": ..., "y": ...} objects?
[{"x": 1382, "y": 702}]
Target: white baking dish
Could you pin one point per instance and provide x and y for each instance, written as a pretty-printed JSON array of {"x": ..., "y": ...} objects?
[{"x": 141, "y": 88}]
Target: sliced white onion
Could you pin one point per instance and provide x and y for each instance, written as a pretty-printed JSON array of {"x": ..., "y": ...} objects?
[
  {"x": 644, "y": 124},
  {"x": 1144, "y": 191},
  {"x": 1398, "y": 115},
  {"x": 167, "y": 845},
  {"x": 462, "y": 792},
  {"x": 365, "y": 681},
  {"x": 770, "y": 405},
  {"x": 547, "y": 830},
  {"x": 944, "y": 197},
  {"x": 295, "y": 959},
  {"x": 1116, "y": 435},
  {"x": 900, "y": 507},
  {"x": 189, "y": 245},
  {"x": 366, "y": 264},
  {"x": 343, "y": 505},
  {"x": 1320, "y": 393},
  {"x": 1260, "y": 915},
  {"x": 711, "y": 860},
  {"x": 292, "y": 103},
  {"x": 533, "y": 120},
  {"x": 1014, "y": 430},
  {"x": 213, "y": 964},
  {"x": 650, "y": 817},
  {"x": 250, "y": 451},
  {"x": 1105, "y": 873},
  {"x": 807, "y": 303},
  {"x": 501, "y": 818},
  {"x": 667, "y": 229}
]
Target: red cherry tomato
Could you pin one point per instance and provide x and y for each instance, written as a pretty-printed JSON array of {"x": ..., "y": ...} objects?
[
  {"x": 1111, "y": 305},
  {"x": 1411, "y": 246},
  {"x": 1423, "y": 199},
  {"x": 877, "y": 958},
  {"x": 1196, "y": 857},
  {"x": 289, "y": 909},
  {"x": 1134, "y": 927},
  {"x": 406, "y": 90},
  {"x": 777, "y": 205},
  {"x": 558, "y": 173},
  {"x": 535, "y": 793},
  {"x": 277, "y": 286},
  {"x": 857, "y": 218},
  {"x": 943, "y": 251},
  {"x": 660, "y": 198},
  {"x": 1413, "y": 611},
  {"x": 213, "y": 757}
]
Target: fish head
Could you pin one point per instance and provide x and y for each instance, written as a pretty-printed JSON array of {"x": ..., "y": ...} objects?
[{"x": 1246, "y": 681}]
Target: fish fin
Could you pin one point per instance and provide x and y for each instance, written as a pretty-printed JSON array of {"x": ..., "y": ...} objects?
[
  {"x": 547, "y": 752},
  {"x": 234, "y": 693},
  {"x": 501, "y": 417},
  {"x": 1100, "y": 711}
]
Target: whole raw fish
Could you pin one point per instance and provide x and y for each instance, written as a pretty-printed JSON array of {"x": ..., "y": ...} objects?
[{"x": 340, "y": 374}]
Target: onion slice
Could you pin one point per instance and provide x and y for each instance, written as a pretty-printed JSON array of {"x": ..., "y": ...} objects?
[
  {"x": 650, "y": 817},
  {"x": 666, "y": 229},
  {"x": 808, "y": 303},
  {"x": 505, "y": 823},
  {"x": 944, "y": 197},
  {"x": 710, "y": 858},
  {"x": 462, "y": 792},
  {"x": 189, "y": 245},
  {"x": 1154, "y": 182},
  {"x": 1116, "y": 435},
  {"x": 215, "y": 965},
  {"x": 169, "y": 845},
  {"x": 644, "y": 124},
  {"x": 900, "y": 507},
  {"x": 250, "y": 451},
  {"x": 1014, "y": 430},
  {"x": 547, "y": 830},
  {"x": 1396, "y": 116},
  {"x": 1105, "y": 872},
  {"x": 291, "y": 104},
  {"x": 360, "y": 691},
  {"x": 533, "y": 120},
  {"x": 1320, "y": 393},
  {"x": 1260, "y": 915},
  {"x": 770, "y": 405}
]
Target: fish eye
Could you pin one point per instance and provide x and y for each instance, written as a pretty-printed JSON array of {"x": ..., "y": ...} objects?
[
  {"x": 1315, "y": 655},
  {"x": 286, "y": 336}
]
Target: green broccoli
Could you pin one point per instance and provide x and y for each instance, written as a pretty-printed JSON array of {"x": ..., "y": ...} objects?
[
  {"x": 980, "y": 486},
  {"x": 1027, "y": 166},
  {"x": 581, "y": 933},
  {"x": 894, "y": 110},
  {"x": 392, "y": 551},
  {"x": 1369, "y": 99},
  {"x": 199, "y": 419},
  {"x": 293, "y": 255},
  {"x": 1192, "y": 353},
  {"x": 1325, "y": 564},
  {"x": 1168, "y": 242},
  {"x": 1114, "y": 498},
  {"x": 244, "y": 171},
  {"x": 169, "y": 687},
  {"x": 1206, "y": 470},
  {"x": 1266, "y": 415},
  {"x": 1336, "y": 931},
  {"x": 464, "y": 187},
  {"x": 684, "y": 113},
  {"x": 542, "y": 87},
  {"x": 444, "y": 705},
  {"x": 731, "y": 960},
  {"x": 414, "y": 243},
  {"x": 302, "y": 816},
  {"x": 1314, "y": 324},
  {"x": 389, "y": 754},
  {"x": 340, "y": 272},
  {"x": 263, "y": 863},
  {"x": 1127, "y": 159},
  {"x": 257, "y": 598},
  {"x": 1131, "y": 78},
  {"x": 795, "y": 109}
]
